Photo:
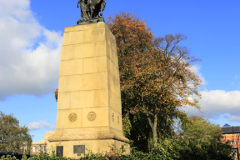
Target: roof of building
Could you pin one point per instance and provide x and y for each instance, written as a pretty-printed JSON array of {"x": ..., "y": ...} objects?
[
  {"x": 226, "y": 125},
  {"x": 234, "y": 129}
]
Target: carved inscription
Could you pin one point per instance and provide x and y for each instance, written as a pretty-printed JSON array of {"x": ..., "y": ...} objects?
[
  {"x": 113, "y": 117},
  {"x": 72, "y": 117},
  {"x": 91, "y": 116}
]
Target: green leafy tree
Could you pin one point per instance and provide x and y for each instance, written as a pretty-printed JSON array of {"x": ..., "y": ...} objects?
[
  {"x": 12, "y": 135},
  {"x": 202, "y": 140},
  {"x": 155, "y": 75}
]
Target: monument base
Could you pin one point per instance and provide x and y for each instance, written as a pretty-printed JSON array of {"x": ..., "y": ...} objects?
[{"x": 76, "y": 149}]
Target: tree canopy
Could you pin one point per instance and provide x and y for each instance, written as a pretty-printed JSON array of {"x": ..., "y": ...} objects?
[
  {"x": 155, "y": 75},
  {"x": 202, "y": 140},
  {"x": 12, "y": 135}
]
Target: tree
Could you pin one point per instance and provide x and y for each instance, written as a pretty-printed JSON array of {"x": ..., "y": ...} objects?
[
  {"x": 155, "y": 73},
  {"x": 132, "y": 37},
  {"x": 13, "y": 136},
  {"x": 203, "y": 141},
  {"x": 56, "y": 94}
]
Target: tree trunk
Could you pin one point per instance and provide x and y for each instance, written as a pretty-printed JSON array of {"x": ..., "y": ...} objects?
[{"x": 154, "y": 129}]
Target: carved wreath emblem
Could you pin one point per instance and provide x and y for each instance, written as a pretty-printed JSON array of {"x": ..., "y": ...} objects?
[
  {"x": 72, "y": 117},
  {"x": 91, "y": 116}
]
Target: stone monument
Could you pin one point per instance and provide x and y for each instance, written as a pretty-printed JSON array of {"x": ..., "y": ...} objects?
[{"x": 89, "y": 113}]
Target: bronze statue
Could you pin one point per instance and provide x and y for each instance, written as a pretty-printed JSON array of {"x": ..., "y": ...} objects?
[{"x": 90, "y": 11}]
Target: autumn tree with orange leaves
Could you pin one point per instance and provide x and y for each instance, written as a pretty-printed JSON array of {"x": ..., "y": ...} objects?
[{"x": 155, "y": 73}]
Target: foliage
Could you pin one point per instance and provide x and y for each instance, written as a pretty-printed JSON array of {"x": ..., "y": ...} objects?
[
  {"x": 132, "y": 37},
  {"x": 12, "y": 135},
  {"x": 203, "y": 140},
  {"x": 156, "y": 77},
  {"x": 56, "y": 94},
  {"x": 167, "y": 149}
]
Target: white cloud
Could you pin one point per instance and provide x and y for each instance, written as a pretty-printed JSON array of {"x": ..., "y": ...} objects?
[
  {"x": 196, "y": 69},
  {"x": 30, "y": 54},
  {"x": 217, "y": 102},
  {"x": 47, "y": 125},
  {"x": 37, "y": 125},
  {"x": 34, "y": 126},
  {"x": 233, "y": 118}
]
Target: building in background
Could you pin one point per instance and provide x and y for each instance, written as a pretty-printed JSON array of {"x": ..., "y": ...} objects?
[
  {"x": 232, "y": 134},
  {"x": 37, "y": 147}
]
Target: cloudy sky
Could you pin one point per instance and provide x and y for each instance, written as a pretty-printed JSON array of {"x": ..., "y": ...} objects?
[{"x": 30, "y": 47}]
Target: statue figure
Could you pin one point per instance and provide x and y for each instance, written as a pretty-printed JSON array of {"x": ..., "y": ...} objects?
[{"x": 90, "y": 11}]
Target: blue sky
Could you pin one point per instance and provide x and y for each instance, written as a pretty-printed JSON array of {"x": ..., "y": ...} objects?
[{"x": 30, "y": 47}]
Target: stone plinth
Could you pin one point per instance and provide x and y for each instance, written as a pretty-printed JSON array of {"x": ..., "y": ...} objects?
[{"x": 89, "y": 100}]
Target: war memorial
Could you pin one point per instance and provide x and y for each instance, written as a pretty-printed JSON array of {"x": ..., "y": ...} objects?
[{"x": 89, "y": 112}]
